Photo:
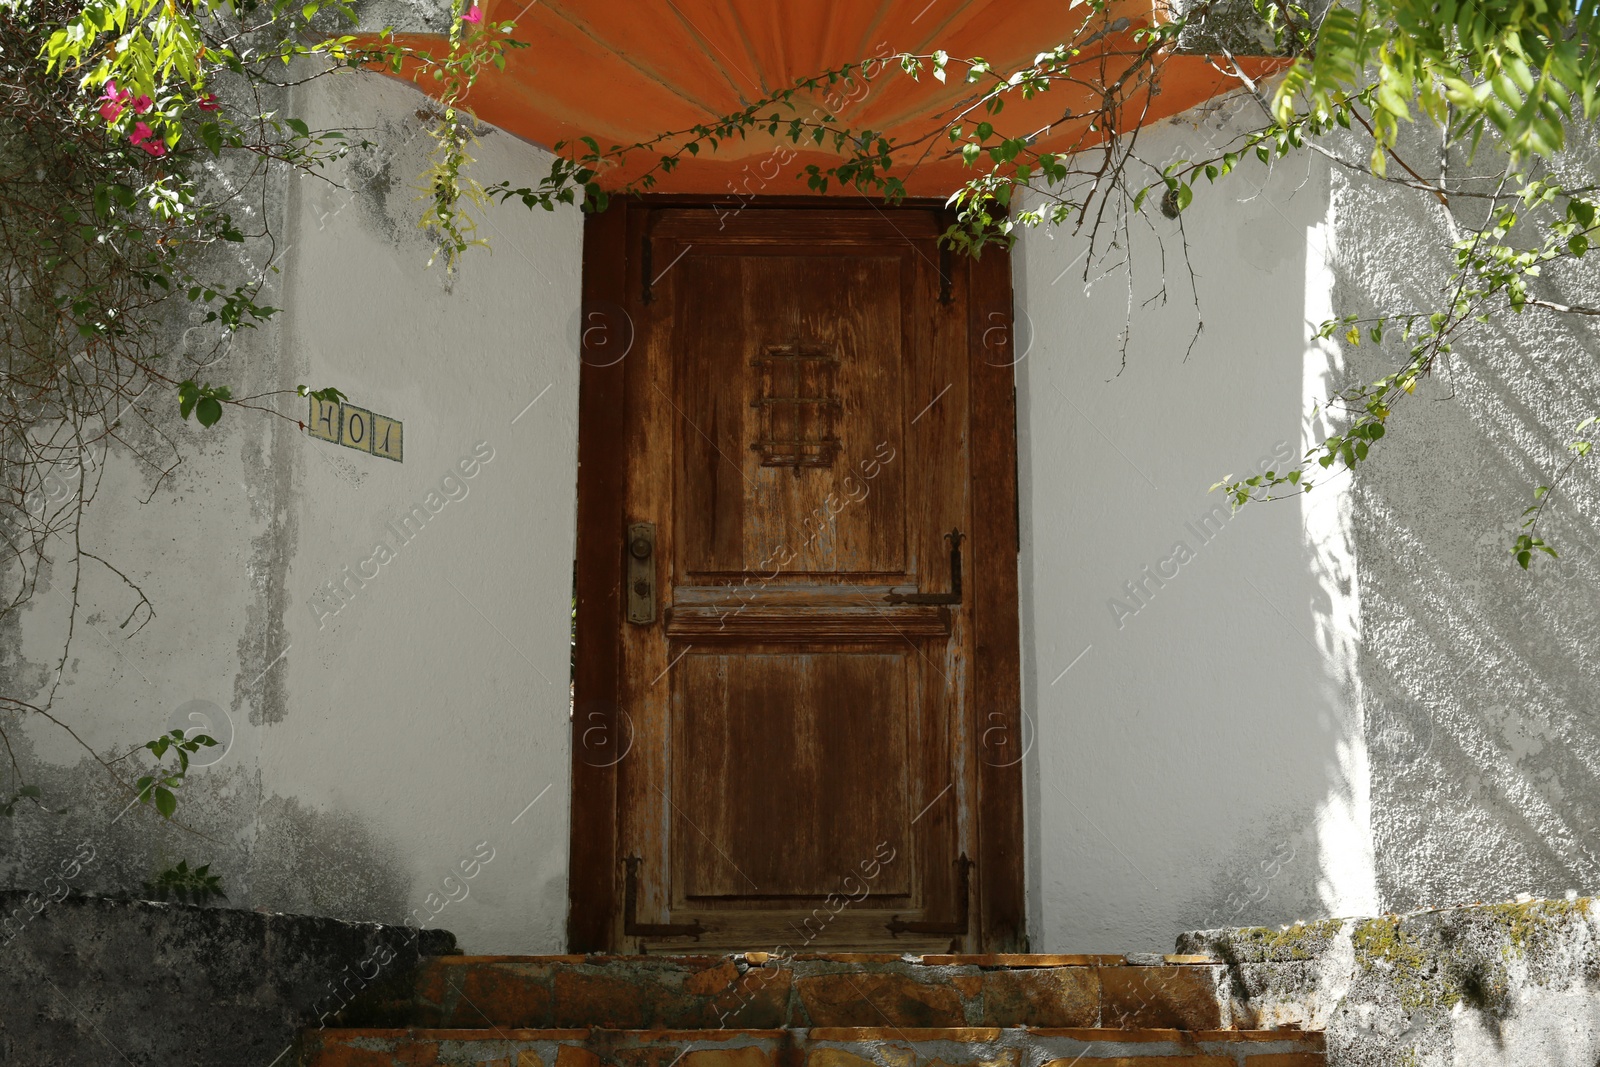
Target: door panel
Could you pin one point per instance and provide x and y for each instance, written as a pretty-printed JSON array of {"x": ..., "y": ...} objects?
[
  {"x": 800, "y": 764},
  {"x": 820, "y": 737},
  {"x": 788, "y": 378}
]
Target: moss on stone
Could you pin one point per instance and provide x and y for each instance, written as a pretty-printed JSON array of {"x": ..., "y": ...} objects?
[
  {"x": 1534, "y": 922},
  {"x": 1301, "y": 941},
  {"x": 1382, "y": 945}
]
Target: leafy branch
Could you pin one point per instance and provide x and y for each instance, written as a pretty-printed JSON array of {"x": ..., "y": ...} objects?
[{"x": 160, "y": 788}]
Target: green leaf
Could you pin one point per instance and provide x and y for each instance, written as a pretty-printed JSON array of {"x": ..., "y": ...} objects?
[
  {"x": 208, "y": 411},
  {"x": 166, "y": 802}
]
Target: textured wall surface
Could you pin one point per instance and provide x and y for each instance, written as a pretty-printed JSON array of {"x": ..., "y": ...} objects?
[
  {"x": 89, "y": 980},
  {"x": 1510, "y": 985},
  {"x": 1355, "y": 703},
  {"x": 1480, "y": 678}
]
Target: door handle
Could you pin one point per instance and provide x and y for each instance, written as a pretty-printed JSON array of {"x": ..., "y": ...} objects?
[
  {"x": 641, "y": 573},
  {"x": 954, "y": 595}
]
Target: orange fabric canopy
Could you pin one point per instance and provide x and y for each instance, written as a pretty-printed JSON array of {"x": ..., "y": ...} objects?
[{"x": 624, "y": 71}]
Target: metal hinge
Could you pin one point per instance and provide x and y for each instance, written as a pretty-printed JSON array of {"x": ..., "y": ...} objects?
[
  {"x": 954, "y": 595},
  {"x": 630, "y": 904},
  {"x": 897, "y": 926}
]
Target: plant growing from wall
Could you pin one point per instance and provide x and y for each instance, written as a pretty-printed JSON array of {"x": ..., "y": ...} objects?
[
  {"x": 160, "y": 787},
  {"x": 185, "y": 884}
]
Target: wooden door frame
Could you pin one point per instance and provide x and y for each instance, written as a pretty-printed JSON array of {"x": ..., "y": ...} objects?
[{"x": 612, "y": 282}]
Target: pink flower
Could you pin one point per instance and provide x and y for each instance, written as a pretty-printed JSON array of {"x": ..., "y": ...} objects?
[
  {"x": 157, "y": 148},
  {"x": 209, "y": 102},
  {"x": 141, "y": 133},
  {"x": 113, "y": 101},
  {"x": 141, "y": 104},
  {"x": 474, "y": 15}
]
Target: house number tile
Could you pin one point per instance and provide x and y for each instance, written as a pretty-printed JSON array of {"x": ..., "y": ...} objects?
[{"x": 357, "y": 428}]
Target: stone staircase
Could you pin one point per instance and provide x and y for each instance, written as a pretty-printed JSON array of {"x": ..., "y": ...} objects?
[{"x": 840, "y": 1010}]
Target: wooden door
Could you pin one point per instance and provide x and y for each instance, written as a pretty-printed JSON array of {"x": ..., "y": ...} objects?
[{"x": 796, "y": 724}]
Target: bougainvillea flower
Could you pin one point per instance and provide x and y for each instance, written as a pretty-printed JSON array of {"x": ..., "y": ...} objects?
[
  {"x": 141, "y": 133},
  {"x": 209, "y": 102},
  {"x": 113, "y": 101},
  {"x": 474, "y": 15},
  {"x": 157, "y": 148},
  {"x": 141, "y": 104}
]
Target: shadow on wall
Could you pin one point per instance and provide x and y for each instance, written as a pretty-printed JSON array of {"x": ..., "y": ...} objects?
[
  {"x": 326, "y": 863},
  {"x": 1193, "y": 670},
  {"x": 1480, "y": 677}
]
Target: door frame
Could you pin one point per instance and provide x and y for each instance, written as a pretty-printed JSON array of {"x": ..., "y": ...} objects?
[{"x": 613, "y": 282}]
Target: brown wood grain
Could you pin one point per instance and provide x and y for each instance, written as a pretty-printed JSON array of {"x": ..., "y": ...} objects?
[
  {"x": 997, "y": 657},
  {"x": 597, "y": 729},
  {"x": 802, "y": 389}
]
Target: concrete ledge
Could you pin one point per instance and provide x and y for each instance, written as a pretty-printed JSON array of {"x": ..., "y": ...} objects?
[{"x": 96, "y": 980}]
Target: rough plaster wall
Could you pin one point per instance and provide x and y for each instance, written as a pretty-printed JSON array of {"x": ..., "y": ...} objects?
[
  {"x": 371, "y": 751},
  {"x": 206, "y": 544},
  {"x": 1480, "y": 677},
  {"x": 1505, "y": 985},
  {"x": 1199, "y": 756}
]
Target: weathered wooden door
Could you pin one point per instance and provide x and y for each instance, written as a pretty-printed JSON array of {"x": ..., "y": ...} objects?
[{"x": 796, "y": 723}]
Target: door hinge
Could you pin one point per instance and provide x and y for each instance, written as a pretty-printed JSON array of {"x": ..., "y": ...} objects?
[
  {"x": 954, "y": 595},
  {"x": 630, "y": 905},
  {"x": 897, "y": 926}
]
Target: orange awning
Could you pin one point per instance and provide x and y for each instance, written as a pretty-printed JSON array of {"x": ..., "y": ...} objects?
[{"x": 624, "y": 71}]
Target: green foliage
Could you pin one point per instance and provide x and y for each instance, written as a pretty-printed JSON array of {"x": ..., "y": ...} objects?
[
  {"x": 330, "y": 395},
  {"x": 188, "y": 885},
  {"x": 1524, "y": 69},
  {"x": 161, "y": 787},
  {"x": 204, "y": 400}
]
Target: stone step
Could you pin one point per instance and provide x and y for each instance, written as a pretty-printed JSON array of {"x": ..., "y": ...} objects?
[
  {"x": 753, "y": 991},
  {"x": 883, "y": 1046}
]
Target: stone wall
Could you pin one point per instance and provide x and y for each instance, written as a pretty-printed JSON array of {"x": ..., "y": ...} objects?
[
  {"x": 94, "y": 980},
  {"x": 1514, "y": 984}
]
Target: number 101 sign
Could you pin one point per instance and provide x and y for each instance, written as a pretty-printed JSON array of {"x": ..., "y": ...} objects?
[{"x": 357, "y": 428}]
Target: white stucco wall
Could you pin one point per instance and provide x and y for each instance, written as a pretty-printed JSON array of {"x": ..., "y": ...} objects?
[
  {"x": 1191, "y": 672},
  {"x": 374, "y": 748},
  {"x": 432, "y": 708}
]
